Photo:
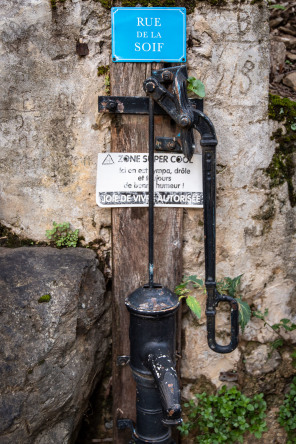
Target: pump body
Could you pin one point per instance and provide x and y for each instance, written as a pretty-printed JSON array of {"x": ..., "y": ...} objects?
[{"x": 152, "y": 360}]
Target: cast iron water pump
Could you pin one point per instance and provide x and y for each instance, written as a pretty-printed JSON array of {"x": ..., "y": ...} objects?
[
  {"x": 153, "y": 307},
  {"x": 152, "y": 360}
]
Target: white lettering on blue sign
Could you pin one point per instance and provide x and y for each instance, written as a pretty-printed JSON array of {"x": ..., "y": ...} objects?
[
  {"x": 145, "y": 35},
  {"x": 148, "y": 46},
  {"x": 148, "y": 21}
]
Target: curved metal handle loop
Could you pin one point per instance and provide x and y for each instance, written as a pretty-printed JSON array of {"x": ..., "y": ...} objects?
[{"x": 211, "y": 332}]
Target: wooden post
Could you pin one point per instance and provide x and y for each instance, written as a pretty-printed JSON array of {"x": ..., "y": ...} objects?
[{"x": 129, "y": 133}]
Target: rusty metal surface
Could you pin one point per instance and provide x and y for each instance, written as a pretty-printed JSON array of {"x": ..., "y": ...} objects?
[
  {"x": 82, "y": 49},
  {"x": 154, "y": 301},
  {"x": 135, "y": 105},
  {"x": 168, "y": 144}
]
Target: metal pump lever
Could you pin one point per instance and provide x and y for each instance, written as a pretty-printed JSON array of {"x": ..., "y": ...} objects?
[
  {"x": 177, "y": 105},
  {"x": 175, "y": 102}
]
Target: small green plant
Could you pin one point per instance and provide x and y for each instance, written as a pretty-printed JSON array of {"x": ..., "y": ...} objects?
[
  {"x": 226, "y": 285},
  {"x": 105, "y": 71},
  {"x": 62, "y": 236},
  {"x": 196, "y": 86},
  {"x": 287, "y": 413},
  {"x": 284, "y": 325},
  {"x": 44, "y": 298},
  {"x": 293, "y": 356},
  {"x": 183, "y": 291},
  {"x": 230, "y": 286},
  {"x": 224, "y": 417}
]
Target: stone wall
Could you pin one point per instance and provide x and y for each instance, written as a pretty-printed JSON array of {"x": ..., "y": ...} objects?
[
  {"x": 51, "y": 134},
  {"x": 50, "y": 128},
  {"x": 255, "y": 222}
]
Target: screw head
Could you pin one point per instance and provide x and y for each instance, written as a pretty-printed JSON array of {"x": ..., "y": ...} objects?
[
  {"x": 149, "y": 87},
  {"x": 167, "y": 76},
  {"x": 184, "y": 120},
  {"x": 111, "y": 105}
]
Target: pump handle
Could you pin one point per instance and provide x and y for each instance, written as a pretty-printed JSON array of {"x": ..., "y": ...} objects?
[{"x": 167, "y": 87}]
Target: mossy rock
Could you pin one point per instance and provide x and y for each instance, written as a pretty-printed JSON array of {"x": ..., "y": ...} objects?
[
  {"x": 282, "y": 167},
  {"x": 44, "y": 298},
  {"x": 189, "y": 4},
  {"x": 10, "y": 239}
]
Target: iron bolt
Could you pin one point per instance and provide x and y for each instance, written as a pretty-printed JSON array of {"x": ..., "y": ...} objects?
[
  {"x": 111, "y": 105},
  {"x": 150, "y": 87},
  {"x": 167, "y": 76},
  {"x": 184, "y": 120}
]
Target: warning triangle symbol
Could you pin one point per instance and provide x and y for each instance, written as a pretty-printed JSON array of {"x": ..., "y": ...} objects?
[{"x": 108, "y": 160}]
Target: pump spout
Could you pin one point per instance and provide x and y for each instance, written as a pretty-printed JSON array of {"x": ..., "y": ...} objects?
[{"x": 166, "y": 379}]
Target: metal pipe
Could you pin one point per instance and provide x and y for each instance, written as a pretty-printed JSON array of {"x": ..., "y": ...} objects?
[{"x": 151, "y": 192}]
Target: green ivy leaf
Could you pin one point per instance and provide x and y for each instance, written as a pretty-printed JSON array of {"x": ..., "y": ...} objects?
[
  {"x": 244, "y": 313},
  {"x": 236, "y": 281},
  {"x": 258, "y": 314},
  {"x": 196, "y": 86},
  {"x": 193, "y": 278},
  {"x": 277, "y": 7},
  {"x": 275, "y": 326},
  {"x": 277, "y": 343},
  {"x": 194, "y": 305}
]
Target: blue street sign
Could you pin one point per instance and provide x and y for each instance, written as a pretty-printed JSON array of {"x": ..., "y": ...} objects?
[{"x": 148, "y": 34}]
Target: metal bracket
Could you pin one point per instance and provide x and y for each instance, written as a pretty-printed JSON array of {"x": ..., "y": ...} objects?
[
  {"x": 124, "y": 423},
  {"x": 121, "y": 361},
  {"x": 136, "y": 105},
  {"x": 140, "y": 105},
  {"x": 168, "y": 144}
]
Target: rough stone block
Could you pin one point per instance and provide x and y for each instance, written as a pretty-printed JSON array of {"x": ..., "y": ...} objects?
[{"x": 54, "y": 336}]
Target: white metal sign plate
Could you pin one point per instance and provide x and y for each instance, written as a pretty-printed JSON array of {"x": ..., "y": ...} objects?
[{"x": 122, "y": 180}]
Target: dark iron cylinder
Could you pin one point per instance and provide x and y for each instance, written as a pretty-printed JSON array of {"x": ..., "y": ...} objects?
[{"x": 152, "y": 360}]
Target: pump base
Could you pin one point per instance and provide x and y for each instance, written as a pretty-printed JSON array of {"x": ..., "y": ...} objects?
[{"x": 140, "y": 441}]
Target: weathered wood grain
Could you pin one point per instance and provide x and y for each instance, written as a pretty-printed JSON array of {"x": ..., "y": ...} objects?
[{"x": 130, "y": 238}]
